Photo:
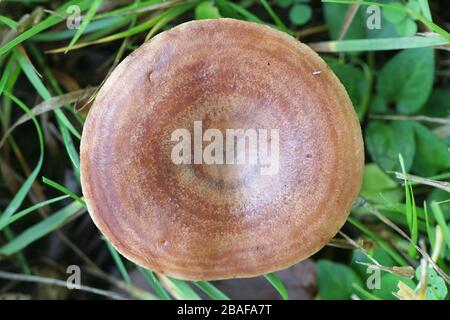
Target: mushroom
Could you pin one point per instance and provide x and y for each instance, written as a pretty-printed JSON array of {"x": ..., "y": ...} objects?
[{"x": 210, "y": 220}]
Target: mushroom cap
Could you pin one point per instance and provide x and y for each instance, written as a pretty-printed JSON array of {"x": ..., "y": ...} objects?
[{"x": 219, "y": 221}]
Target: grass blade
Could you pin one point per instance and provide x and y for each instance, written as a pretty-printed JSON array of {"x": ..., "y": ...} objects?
[
  {"x": 119, "y": 263},
  {"x": 9, "y": 22},
  {"x": 439, "y": 216},
  {"x": 425, "y": 8},
  {"x": 20, "y": 256},
  {"x": 154, "y": 283},
  {"x": 429, "y": 223},
  {"x": 277, "y": 284},
  {"x": 410, "y": 211},
  {"x": 86, "y": 20},
  {"x": 211, "y": 290},
  {"x": 51, "y": 36},
  {"x": 63, "y": 189},
  {"x": 379, "y": 44},
  {"x": 247, "y": 15},
  {"x": 45, "y": 24},
  {"x": 23, "y": 191},
  {"x": 168, "y": 16},
  {"x": 415, "y": 15},
  {"x": 179, "y": 288},
  {"x": 32, "y": 76},
  {"x": 40, "y": 229},
  {"x": 383, "y": 244},
  {"x": 23, "y": 213},
  {"x": 275, "y": 17}
]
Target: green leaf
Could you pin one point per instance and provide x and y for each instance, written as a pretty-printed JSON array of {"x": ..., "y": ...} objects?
[
  {"x": 406, "y": 28},
  {"x": 436, "y": 287},
  {"x": 385, "y": 142},
  {"x": 335, "y": 280},
  {"x": 395, "y": 16},
  {"x": 378, "y": 187},
  {"x": 40, "y": 229},
  {"x": 380, "y": 144},
  {"x": 376, "y": 253},
  {"x": 284, "y": 3},
  {"x": 407, "y": 79},
  {"x": 380, "y": 241},
  {"x": 300, "y": 14},
  {"x": 277, "y": 284},
  {"x": 354, "y": 81},
  {"x": 438, "y": 105},
  {"x": 431, "y": 152},
  {"x": 389, "y": 284},
  {"x": 206, "y": 10},
  {"x": 378, "y": 105},
  {"x": 404, "y": 138}
]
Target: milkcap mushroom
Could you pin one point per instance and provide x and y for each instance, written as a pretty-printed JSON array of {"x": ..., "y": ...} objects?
[{"x": 205, "y": 221}]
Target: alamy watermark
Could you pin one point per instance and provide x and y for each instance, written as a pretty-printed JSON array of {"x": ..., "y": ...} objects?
[
  {"x": 374, "y": 280},
  {"x": 74, "y": 279},
  {"x": 374, "y": 17},
  {"x": 73, "y": 20},
  {"x": 234, "y": 147}
]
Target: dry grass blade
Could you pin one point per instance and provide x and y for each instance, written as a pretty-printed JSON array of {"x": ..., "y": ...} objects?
[
  {"x": 424, "y": 254},
  {"x": 406, "y": 271},
  {"x": 444, "y": 121},
  {"x": 133, "y": 291},
  {"x": 148, "y": 8},
  {"x": 351, "y": 12},
  {"x": 433, "y": 183},
  {"x": 48, "y": 105},
  {"x": 25, "y": 22},
  {"x": 56, "y": 282}
]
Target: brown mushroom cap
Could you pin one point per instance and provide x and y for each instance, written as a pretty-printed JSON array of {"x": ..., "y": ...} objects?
[{"x": 204, "y": 221}]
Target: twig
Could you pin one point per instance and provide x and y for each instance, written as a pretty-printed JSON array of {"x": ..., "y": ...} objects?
[
  {"x": 310, "y": 31},
  {"x": 433, "y": 183},
  {"x": 424, "y": 254},
  {"x": 411, "y": 118},
  {"x": 48, "y": 105},
  {"x": 57, "y": 282},
  {"x": 135, "y": 292},
  {"x": 351, "y": 12}
]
